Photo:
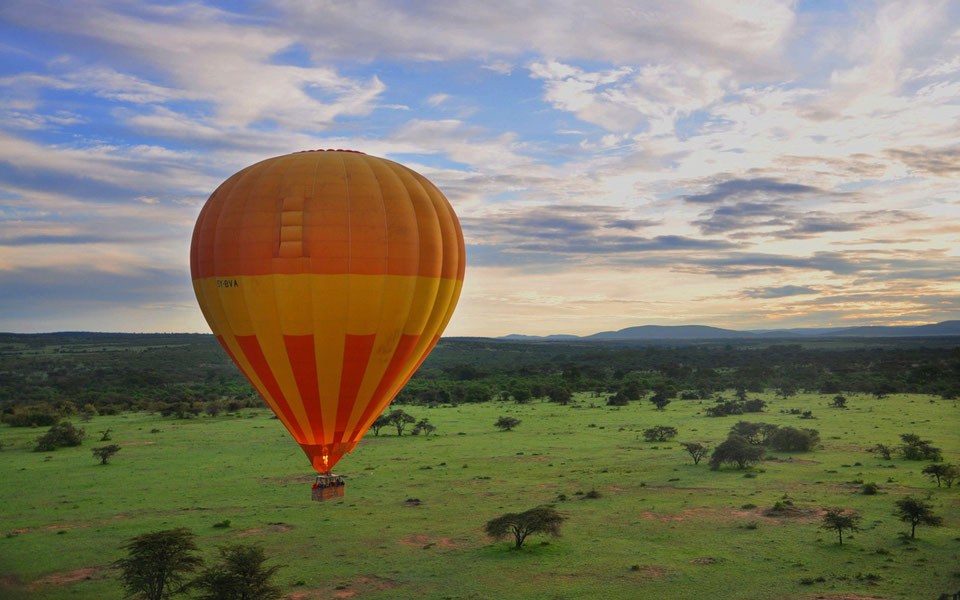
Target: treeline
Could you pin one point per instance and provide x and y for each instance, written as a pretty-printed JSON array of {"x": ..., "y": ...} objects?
[{"x": 186, "y": 374}]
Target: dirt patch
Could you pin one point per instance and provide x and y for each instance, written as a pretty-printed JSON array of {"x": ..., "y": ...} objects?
[
  {"x": 674, "y": 487},
  {"x": 55, "y": 527},
  {"x": 845, "y": 597},
  {"x": 793, "y": 461},
  {"x": 352, "y": 589},
  {"x": 532, "y": 458},
  {"x": 706, "y": 560},
  {"x": 424, "y": 541},
  {"x": 793, "y": 512},
  {"x": 65, "y": 577},
  {"x": 270, "y": 528},
  {"x": 649, "y": 571}
]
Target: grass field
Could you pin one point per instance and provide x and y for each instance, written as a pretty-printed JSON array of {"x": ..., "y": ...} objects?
[{"x": 662, "y": 528}]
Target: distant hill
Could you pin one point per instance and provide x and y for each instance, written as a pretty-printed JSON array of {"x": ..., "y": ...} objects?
[
  {"x": 665, "y": 332},
  {"x": 705, "y": 332}
]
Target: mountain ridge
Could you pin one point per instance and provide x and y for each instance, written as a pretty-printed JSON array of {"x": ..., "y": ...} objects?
[{"x": 707, "y": 332}]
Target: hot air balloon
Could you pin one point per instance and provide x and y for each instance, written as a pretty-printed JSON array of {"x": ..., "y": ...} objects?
[{"x": 328, "y": 277}]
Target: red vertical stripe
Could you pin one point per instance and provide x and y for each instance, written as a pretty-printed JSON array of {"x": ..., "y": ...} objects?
[
  {"x": 400, "y": 356},
  {"x": 356, "y": 354},
  {"x": 303, "y": 361},
  {"x": 423, "y": 357},
  {"x": 252, "y": 351}
]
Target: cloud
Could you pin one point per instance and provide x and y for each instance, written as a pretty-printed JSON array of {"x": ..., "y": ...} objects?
[
  {"x": 745, "y": 188},
  {"x": 616, "y": 31},
  {"x": 782, "y": 291},
  {"x": 207, "y": 55},
  {"x": 939, "y": 162}
]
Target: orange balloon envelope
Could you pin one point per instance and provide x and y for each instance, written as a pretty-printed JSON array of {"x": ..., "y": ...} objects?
[{"x": 327, "y": 276}]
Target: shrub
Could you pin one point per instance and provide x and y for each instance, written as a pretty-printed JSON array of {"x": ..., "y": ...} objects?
[
  {"x": 104, "y": 453},
  {"x": 869, "y": 489},
  {"x": 736, "y": 450},
  {"x": 61, "y": 434},
  {"x": 791, "y": 439}
]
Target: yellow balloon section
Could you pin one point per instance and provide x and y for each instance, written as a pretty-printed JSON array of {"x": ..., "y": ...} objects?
[{"x": 328, "y": 276}]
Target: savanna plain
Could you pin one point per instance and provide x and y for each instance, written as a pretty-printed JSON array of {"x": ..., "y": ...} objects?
[{"x": 642, "y": 520}]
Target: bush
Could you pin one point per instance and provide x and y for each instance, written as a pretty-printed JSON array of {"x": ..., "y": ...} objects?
[
  {"x": 736, "y": 450},
  {"x": 791, "y": 439},
  {"x": 240, "y": 575},
  {"x": 31, "y": 416},
  {"x": 104, "y": 453},
  {"x": 869, "y": 489},
  {"x": 61, "y": 434}
]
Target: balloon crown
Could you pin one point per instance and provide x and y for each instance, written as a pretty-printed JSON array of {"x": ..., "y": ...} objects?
[{"x": 331, "y": 150}]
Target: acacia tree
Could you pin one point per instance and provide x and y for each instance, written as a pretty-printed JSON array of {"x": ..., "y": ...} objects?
[
  {"x": 239, "y": 576},
  {"x": 104, "y": 453},
  {"x": 507, "y": 423},
  {"x": 542, "y": 519},
  {"x": 157, "y": 563},
  {"x": 839, "y": 401},
  {"x": 400, "y": 420},
  {"x": 736, "y": 449},
  {"x": 659, "y": 433},
  {"x": 939, "y": 471},
  {"x": 660, "y": 400},
  {"x": 917, "y": 512},
  {"x": 696, "y": 450},
  {"x": 838, "y": 519},
  {"x": 884, "y": 450},
  {"x": 423, "y": 426},
  {"x": 379, "y": 423}
]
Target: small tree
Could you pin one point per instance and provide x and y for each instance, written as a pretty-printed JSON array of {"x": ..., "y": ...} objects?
[
  {"x": 240, "y": 575},
  {"x": 838, "y": 519},
  {"x": 659, "y": 433},
  {"x": 951, "y": 475},
  {"x": 88, "y": 412},
  {"x": 884, "y": 450},
  {"x": 914, "y": 448},
  {"x": 507, "y": 423},
  {"x": 105, "y": 434},
  {"x": 423, "y": 426},
  {"x": 560, "y": 395},
  {"x": 917, "y": 512},
  {"x": 157, "y": 563},
  {"x": 791, "y": 439},
  {"x": 542, "y": 519},
  {"x": 737, "y": 450},
  {"x": 399, "y": 419},
  {"x": 618, "y": 399},
  {"x": 839, "y": 401},
  {"x": 61, "y": 434},
  {"x": 937, "y": 471},
  {"x": 696, "y": 450},
  {"x": 379, "y": 423},
  {"x": 660, "y": 400},
  {"x": 752, "y": 431},
  {"x": 213, "y": 408},
  {"x": 104, "y": 453},
  {"x": 521, "y": 394}
]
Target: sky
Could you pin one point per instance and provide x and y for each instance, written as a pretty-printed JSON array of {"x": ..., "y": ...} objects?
[{"x": 742, "y": 164}]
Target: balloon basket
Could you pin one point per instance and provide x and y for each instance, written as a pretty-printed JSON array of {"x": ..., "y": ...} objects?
[{"x": 327, "y": 487}]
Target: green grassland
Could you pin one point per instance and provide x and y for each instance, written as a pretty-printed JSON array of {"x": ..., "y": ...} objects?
[{"x": 64, "y": 517}]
